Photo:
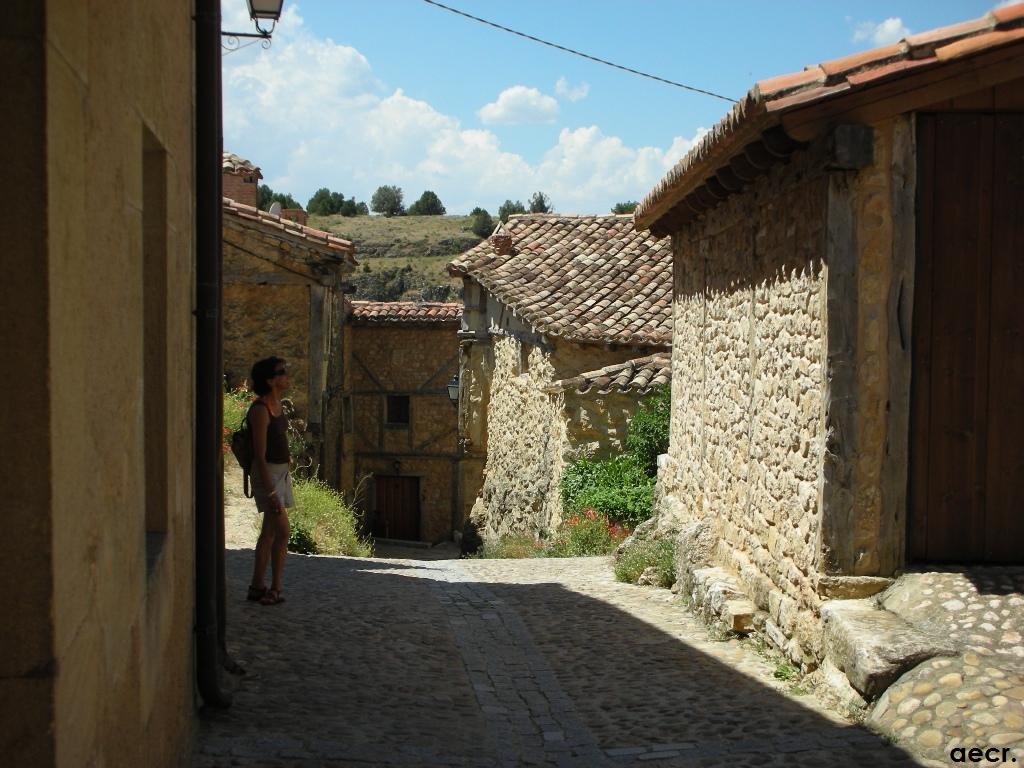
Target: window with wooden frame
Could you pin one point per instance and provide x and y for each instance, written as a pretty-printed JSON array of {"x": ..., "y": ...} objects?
[{"x": 397, "y": 411}]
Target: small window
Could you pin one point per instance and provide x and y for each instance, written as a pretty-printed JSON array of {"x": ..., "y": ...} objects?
[
  {"x": 524, "y": 357},
  {"x": 398, "y": 410}
]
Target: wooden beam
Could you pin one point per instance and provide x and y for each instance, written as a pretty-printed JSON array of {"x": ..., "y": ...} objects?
[
  {"x": 895, "y": 468},
  {"x": 744, "y": 170},
  {"x": 945, "y": 80},
  {"x": 840, "y": 402},
  {"x": 728, "y": 179},
  {"x": 778, "y": 142},
  {"x": 717, "y": 188}
]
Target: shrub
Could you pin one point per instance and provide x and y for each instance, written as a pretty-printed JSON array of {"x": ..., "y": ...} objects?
[
  {"x": 586, "y": 534},
  {"x": 647, "y": 436},
  {"x": 236, "y": 405},
  {"x": 323, "y": 519},
  {"x": 618, "y": 488},
  {"x": 512, "y": 547},
  {"x": 657, "y": 553}
]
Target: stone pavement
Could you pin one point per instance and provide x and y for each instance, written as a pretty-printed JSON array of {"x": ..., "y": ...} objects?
[
  {"x": 973, "y": 699},
  {"x": 410, "y": 662}
]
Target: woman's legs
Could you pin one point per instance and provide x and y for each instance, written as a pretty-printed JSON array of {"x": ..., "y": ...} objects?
[
  {"x": 263, "y": 548},
  {"x": 279, "y": 549}
]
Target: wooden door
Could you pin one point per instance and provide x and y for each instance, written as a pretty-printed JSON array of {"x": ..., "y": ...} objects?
[
  {"x": 967, "y": 415},
  {"x": 398, "y": 508}
]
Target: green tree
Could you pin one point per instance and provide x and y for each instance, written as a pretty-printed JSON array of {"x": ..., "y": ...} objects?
[
  {"x": 387, "y": 200},
  {"x": 647, "y": 433},
  {"x": 481, "y": 222},
  {"x": 627, "y": 207},
  {"x": 429, "y": 204},
  {"x": 324, "y": 202},
  {"x": 540, "y": 203},
  {"x": 265, "y": 197},
  {"x": 508, "y": 208}
]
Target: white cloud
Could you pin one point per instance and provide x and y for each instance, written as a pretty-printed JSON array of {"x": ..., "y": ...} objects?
[
  {"x": 312, "y": 113},
  {"x": 517, "y": 105},
  {"x": 892, "y": 30},
  {"x": 571, "y": 92}
]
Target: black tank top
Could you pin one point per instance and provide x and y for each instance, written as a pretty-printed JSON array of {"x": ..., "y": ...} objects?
[{"x": 277, "y": 437}]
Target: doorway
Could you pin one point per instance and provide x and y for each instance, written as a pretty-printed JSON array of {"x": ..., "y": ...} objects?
[
  {"x": 967, "y": 395},
  {"x": 398, "y": 507}
]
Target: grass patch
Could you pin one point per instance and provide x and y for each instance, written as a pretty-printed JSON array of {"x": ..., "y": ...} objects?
[
  {"x": 651, "y": 553},
  {"x": 786, "y": 671},
  {"x": 323, "y": 523}
]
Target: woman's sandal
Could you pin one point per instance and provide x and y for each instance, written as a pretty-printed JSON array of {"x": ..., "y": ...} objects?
[
  {"x": 271, "y": 597},
  {"x": 256, "y": 593}
]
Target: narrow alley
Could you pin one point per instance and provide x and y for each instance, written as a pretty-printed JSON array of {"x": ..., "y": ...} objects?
[{"x": 417, "y": 662}]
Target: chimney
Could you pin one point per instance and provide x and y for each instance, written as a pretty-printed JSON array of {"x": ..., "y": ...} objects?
[
  {"x": 240, "y": 179},
  {"x": 501, "y": 240}
]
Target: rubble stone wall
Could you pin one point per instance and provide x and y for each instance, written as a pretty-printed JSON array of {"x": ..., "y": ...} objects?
[
  {"x": 748, "y": 383},
  {"x": 526, "y": 446}
]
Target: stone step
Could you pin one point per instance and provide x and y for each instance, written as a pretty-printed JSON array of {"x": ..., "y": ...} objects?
[{"x": 872, "y": 646}]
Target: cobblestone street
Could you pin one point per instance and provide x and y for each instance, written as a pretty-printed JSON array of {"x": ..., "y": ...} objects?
[{"x": 403, "y": 662}]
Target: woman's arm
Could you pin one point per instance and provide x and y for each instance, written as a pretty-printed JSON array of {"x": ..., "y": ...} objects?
[{"x": 259, "y": 420}]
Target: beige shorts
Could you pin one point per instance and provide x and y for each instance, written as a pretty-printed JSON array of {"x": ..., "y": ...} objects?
[{"x": 282, "y": 482}]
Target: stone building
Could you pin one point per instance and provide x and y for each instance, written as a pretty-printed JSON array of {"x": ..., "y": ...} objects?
[
  {"x": 283, "y": 285},
  {"x": 847, "y": 358},
  {"x": 96, "y": 650},
  {"x": 547, "y": 299},
  {"x": 399, "y": 451}
]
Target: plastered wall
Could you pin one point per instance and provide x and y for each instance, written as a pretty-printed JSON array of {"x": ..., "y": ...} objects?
[{"x": 100, "y": 672}]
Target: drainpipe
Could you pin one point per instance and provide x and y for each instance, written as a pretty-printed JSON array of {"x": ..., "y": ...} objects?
[{"x": 209, "y": 407}]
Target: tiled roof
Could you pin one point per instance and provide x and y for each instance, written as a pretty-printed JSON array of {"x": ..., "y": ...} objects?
[
  {"x": 316, "y": 240},
  {"x": 766, "y": 103},
  {"x": 640, "y": 375},
  {"x": 232, "y": 163},
  {"x": 582, "y": 278},
  {"x": 405, "y": 312}
]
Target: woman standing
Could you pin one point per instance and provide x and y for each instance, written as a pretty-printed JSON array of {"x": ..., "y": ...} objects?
[{"x": 271, "y": 480}]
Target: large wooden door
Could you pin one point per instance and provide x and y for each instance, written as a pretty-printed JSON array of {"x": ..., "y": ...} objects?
[
  {"x": 398, "y": 507},
  {"x": 967, "y": 409}
]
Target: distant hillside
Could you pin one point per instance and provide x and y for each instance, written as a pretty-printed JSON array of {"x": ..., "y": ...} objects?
[
  {"x": 403, "y": 257},
  {"x": 401, "y": 237}
]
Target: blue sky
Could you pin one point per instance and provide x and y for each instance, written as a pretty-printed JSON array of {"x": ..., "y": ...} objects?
[{"x": 352, "y": 95}]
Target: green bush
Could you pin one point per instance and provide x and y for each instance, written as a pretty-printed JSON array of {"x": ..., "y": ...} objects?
[
  {"x": 617, "y": 487},
  {"x": 647, "y": 436},
  {"x": 236, "y": 404},
  {"x": 586, "y": 534},
  {"x": 657, "y": 553},
  {"x": 321, "y": 517}
]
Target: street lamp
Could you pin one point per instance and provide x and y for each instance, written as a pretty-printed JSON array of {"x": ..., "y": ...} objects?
[
  {"x": 259, "y": 10},
  {"x": 453, "y": 389}
]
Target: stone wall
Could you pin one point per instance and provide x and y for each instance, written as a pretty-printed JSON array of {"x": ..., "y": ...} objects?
[
  {"x": 748, "y": 381},
  {"x": 596, "y": 424},
  {"x": 410, "y": 359},
  {"x": 96, "y": 664}
]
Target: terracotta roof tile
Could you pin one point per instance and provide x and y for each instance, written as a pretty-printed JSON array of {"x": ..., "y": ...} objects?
[
  {"x": 769, "y": 99},
  {"x": 582, "y": 278},
  {"x": 316, "y": 240},
  {"x": 232, "y": 163},
  {"x": 404, "y": 312},
  {"x": 640, "y": 375}
]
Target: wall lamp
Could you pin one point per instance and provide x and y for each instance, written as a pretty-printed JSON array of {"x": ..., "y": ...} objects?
[
  {"x": 259, "y": 10},
  {"x": 453, "y": 389}
]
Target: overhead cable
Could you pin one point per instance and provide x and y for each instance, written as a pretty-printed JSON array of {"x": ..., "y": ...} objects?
[{"x": 579, "y": 53}]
